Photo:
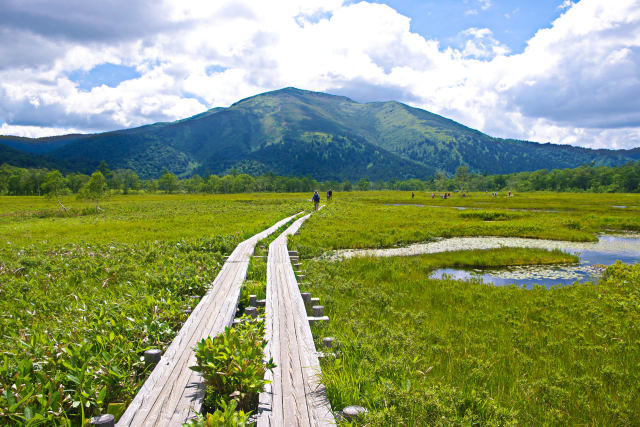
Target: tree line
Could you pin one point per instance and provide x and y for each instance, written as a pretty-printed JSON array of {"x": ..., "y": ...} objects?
[{"x": 21, "y": 181}]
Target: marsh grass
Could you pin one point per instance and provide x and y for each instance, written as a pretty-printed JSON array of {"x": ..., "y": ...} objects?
[
  {"x": 417, "y": 351},
  {"x": 81, "y": 298},
  {"x": 139, "y": 218},
  {"x": 490, "y": 215},
  {"x": 84, "y": 295},
  {"x": 365, "y": 220}
]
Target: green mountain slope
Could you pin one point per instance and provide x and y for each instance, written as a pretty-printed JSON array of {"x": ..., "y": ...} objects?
[
  {"x": 25, "y": 159},
  {"x": 292, "y": 131}
]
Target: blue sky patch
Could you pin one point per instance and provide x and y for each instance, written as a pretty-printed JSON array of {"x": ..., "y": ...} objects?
[
  {"x": 301, "y": 19},
  {"x": 512, "y": 23},
  {"x": 215, "y": 68},
  {"x": 104, "y": 74}
]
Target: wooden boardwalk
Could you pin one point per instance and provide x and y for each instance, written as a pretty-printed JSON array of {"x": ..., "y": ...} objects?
[
  {"x": 173, "y": 393},
  {"x": 295, "y": 397}
]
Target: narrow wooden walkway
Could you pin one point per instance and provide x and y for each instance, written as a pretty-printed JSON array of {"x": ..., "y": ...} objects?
[
  {"x": 295, "y": 397},
  {"x": 173, "y": 393}
]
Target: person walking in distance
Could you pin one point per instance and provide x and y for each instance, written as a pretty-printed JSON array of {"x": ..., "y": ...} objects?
[{"x": 316, "y": 200}]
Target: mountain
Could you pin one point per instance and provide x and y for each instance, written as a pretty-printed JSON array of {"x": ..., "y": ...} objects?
[{"x": 298, "y": 132}]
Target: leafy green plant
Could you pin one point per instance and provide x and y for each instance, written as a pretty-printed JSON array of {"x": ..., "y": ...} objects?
[
  {"x": 232, "y": 364},
  {"x": 226, "y": 415}
]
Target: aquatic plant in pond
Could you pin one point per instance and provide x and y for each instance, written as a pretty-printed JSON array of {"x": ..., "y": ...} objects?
[
  {"x": 593, "y": 258},
  {"x": 528, "y": 276}
]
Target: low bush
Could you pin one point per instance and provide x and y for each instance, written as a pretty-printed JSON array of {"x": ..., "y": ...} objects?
[
  {"x": 232, "y": 365},
  {"x": 225, "y": 416}
]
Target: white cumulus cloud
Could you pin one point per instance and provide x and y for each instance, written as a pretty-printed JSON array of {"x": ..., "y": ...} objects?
[{"x": 576, "y": 82}]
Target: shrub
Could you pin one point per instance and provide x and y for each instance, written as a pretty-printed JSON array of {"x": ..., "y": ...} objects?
[
  {"x": 232, "y": 365},
  {"x": 225, "y": 416}
]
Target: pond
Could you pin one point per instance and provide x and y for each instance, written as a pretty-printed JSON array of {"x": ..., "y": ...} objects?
[
  {"x": 593, "y": 256},
  {"x": 526, "y": 276}
]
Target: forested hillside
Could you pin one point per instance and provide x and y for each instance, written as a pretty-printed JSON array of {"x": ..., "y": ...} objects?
[{"x": 296, "y": 132}]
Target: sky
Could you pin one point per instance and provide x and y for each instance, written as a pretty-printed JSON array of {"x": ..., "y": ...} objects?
[{"x": 557, "y": 71}]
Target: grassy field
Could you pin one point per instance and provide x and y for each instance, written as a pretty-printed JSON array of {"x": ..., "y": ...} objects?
[
  {"x": 418, "y": 351},
  {"x": 369, "y": 219},
  {"x": 82, "y": 297},
  {"x": 139, "y": 218}
]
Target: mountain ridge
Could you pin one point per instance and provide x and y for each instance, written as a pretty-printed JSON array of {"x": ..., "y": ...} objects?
[{"x": 292, "y": 131}]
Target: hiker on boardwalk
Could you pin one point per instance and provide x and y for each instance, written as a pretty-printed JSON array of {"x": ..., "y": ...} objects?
[{"x": 316, "y": 200}]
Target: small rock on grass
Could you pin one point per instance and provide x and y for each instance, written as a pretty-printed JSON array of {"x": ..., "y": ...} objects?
[{"x": 353, "y": 412}]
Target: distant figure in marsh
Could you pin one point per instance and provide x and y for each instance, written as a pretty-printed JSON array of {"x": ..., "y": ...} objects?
[
  {"x": 412, "y": 195},
  {"x": 433, "y": 195},
  {"x": 316, "y": 200},
  {"x": 509, "y": 193},
  {"x": 329, "y": 195}
]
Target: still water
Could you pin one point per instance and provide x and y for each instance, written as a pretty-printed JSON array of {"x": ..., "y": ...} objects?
[{"x": 593, "y": 258}]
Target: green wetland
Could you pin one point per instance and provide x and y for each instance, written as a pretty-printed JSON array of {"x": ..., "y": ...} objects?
[
  {"x": 416, "y": 350},
  {"x": 592, "y": 256},
  {"x": 83, "y": 294}
]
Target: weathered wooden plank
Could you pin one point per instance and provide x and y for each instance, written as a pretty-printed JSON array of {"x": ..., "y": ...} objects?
[
  {"x": 172, "y": 392},
  {"x": 167, "y": 399},
  {"x": 273, "y": 343},
  {"x": 295, "y": 396}
]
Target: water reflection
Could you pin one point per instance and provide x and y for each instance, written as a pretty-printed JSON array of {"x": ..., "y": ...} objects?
[
  {"x": 593, "y": 260},
  {"x": 524, "y": 276}
]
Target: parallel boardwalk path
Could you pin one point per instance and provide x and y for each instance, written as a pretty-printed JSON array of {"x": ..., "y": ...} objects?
[
  {"x": 295, "y": 397},
  {"x": 173, "y": 393}
]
